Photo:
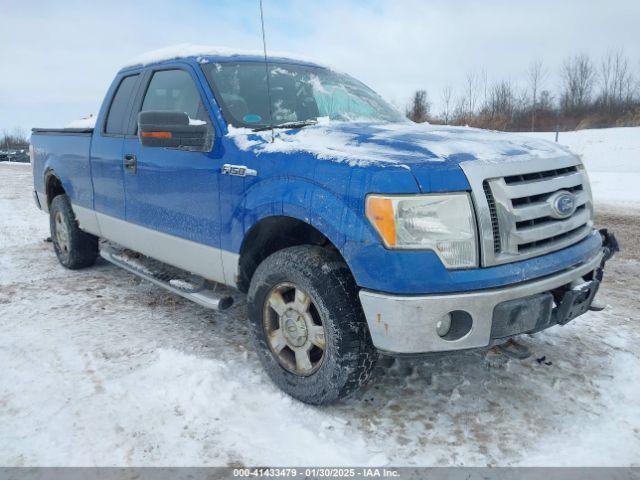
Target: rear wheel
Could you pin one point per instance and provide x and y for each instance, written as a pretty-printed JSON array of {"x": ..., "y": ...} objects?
[
  {"x": 74, "y": 248},
  {"x": 309, "y": 329}
]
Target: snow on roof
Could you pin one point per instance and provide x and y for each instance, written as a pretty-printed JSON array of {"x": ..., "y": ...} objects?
[{"x": 190, "y": 50}]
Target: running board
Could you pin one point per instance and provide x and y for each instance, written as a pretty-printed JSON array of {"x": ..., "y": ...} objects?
[{"x": 170, "y": 278}]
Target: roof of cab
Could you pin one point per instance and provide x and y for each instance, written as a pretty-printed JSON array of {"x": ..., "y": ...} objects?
[{"x": 202, "y": 53}]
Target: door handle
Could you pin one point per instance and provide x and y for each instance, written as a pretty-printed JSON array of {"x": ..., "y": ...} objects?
[{"x": 130, "y": 162}]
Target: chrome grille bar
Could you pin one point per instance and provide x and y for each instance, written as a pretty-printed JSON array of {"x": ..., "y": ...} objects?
[
  {"x": 549, "y": 229},
  {"x": 538, "y": 187},
  {"x": 540, "y": 209}
]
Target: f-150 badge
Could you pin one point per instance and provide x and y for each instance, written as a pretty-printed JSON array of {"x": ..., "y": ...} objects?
[{"x": 238, "y": 170}]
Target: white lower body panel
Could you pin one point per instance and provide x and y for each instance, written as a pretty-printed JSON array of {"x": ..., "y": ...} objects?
[{"x": 209, "y": 262}]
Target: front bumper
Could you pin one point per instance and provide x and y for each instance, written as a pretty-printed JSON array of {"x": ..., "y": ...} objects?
[{"x": 410, "y": 324}]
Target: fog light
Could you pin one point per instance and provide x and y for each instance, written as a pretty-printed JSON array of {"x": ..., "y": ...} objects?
[
  {"x": 454, "y": 325},
  {"x": 444, "y": 325}
]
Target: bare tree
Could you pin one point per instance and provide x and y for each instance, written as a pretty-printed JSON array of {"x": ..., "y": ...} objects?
[
  {"x": 536, "y": 75},
  {"x": 460, "y": 115},
  {"x": 447, "y": 103},
  {"x": 617, "y": 85},
  {"x": 418, "y": 111},
  {"x": 606, "y": 80},
  {"x": 623, "y": 80},
  {"x": 483, "y": 85},
  {"x": 502, "y": 100},
  {"x": 471, "y": 92},
  {"x": 578, "y": 78},
  {"x": 545, "y": 101}
]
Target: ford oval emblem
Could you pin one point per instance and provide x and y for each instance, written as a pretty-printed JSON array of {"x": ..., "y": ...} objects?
[{"x": 563, "y": 204}]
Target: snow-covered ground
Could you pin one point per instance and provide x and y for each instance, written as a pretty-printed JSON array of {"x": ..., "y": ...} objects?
[
  {"x": 612, "y": 158},
  {"x": 98, "y": 368}
]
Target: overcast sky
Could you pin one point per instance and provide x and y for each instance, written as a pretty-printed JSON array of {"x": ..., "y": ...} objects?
[{"x": 57, "y": 59}]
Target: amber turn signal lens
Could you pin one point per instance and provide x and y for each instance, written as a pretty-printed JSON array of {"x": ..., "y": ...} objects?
[
  {"x": 156, "y": 134},
  {"x": 380, "y": 214}
]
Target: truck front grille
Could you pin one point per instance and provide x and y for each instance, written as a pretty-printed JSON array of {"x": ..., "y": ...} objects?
[{"x": 524, "y": 218}]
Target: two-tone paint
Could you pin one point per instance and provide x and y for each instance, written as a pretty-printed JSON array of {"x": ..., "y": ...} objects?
[{"x": 184, "y": 208}]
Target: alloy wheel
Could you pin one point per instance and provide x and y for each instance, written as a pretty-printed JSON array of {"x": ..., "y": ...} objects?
[
  {"x": 62, "y": 233},
  {"x": 294, "y": 329}
]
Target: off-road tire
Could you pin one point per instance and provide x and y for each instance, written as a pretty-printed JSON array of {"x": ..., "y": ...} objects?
[
  {"x": 78, "y": 249},
  {"x": 349, "y": 355}
]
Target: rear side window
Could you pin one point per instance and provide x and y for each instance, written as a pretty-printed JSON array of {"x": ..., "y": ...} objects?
[
  {"x": 117, "y": 119},
  {"x": 174, "y": 90}
]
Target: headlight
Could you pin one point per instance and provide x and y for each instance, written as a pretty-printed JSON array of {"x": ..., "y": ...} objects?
[{"x": 442, "y": 223}]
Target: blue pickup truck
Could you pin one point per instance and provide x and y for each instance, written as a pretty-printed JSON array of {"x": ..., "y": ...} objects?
[{"x": 353, "y": 231}]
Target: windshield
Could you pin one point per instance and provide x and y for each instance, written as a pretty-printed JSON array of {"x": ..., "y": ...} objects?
[{"x": 298, "y": 94}]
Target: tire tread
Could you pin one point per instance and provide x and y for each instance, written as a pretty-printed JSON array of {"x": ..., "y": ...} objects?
[
  {"x": 354, "y": 355},
  {"x": 83, "y": 247}
]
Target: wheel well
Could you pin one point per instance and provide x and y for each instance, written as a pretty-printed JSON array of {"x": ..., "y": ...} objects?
[
  {"x": 270, "y": 235},
  {"x": 53, "y": 187}
]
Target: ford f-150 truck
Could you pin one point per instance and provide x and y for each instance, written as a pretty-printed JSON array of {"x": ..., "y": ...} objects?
[{"x": 353, "y": 231}]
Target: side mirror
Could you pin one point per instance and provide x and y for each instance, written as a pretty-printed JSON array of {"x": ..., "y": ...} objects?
[{"x": 173, "y": 130}]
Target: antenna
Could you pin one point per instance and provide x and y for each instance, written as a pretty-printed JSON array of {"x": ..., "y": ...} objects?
[{"x": 266, "y": 71}]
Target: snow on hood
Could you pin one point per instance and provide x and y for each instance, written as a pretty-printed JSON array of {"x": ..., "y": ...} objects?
[
  {"x": 397, "y": 144},
  {"x": 185, "y": 50},
  {"x": 466, "y": 143},
  {"x": 326, "y": 142}
]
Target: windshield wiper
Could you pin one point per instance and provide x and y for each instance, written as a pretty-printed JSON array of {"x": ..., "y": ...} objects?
[{"x": 300, "y": 124}]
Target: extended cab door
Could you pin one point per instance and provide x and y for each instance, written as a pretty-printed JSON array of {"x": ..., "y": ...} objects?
[
  {"x": 173, "y": 193},
  {"x": 106, "y": 148}
]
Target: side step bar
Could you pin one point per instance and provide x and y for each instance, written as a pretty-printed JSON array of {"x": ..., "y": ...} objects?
[{"x": 201, "y": 294}]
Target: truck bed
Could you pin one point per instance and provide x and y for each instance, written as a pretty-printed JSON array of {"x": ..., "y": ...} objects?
[{"x": 66, "y": 152}]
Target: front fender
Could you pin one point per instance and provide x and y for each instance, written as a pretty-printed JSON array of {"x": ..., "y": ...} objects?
[
  {"x": 311, "y": 203},
  {"x": 327, "y": 194}
]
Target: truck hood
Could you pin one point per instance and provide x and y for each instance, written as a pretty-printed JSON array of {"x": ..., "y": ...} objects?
[{"x": 432, "y": 153}]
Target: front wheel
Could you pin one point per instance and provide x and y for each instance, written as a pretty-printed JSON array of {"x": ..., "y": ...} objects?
[
  {"x": 309, "y": 329},
  {"x": 74, "y": 248}
]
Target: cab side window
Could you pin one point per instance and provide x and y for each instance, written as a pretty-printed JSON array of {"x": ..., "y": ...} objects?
[
  {"x": 118, "y": 118},
  {"x": 174, "y": 90}
]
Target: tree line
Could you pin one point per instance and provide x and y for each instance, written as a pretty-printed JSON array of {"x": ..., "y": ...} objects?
[
  {"x": 591, "y": 94},
  {"x": 15, "y": 139}
]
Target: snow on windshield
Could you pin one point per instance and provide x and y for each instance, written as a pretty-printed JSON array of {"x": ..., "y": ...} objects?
[{"x": 298, "y": 93}]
